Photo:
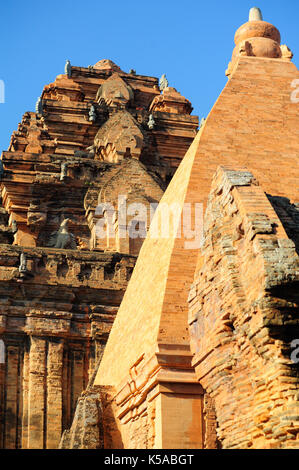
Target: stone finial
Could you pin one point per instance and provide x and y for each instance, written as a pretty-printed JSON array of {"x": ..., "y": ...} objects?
[
  {"x": 151, "y": 122},
  {"x": 163, "y": 82},
  {"x": 14, "y": 227},
  {"x": 132, "y": 72},
  {"x": 256, "y": 38},
  {"x": 92, "y": 115},
  {"x": 23, "y": 264},
  {"x": 63, "y": 171},
  {"x": 68, "y": 69},
  {"x": 39, "y": 106},
  {"x": 255, "y": 14}
]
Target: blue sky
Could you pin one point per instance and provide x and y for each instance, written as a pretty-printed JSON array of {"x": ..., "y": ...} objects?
[{"x": 191, "y": 41}]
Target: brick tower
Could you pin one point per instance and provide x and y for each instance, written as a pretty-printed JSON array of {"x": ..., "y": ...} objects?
[
  {"x": 97, "y": 133},
  {"x": 206, "y": 359}
]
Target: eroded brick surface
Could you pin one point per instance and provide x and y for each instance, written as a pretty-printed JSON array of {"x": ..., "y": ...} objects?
[{"x": 243, "y": 314}]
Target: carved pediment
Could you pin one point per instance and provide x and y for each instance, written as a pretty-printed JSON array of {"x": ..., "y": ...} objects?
[
  {"x": 171, "y": 101},
  {"x": 106, "y": 64},
  {"x": 115, "y": 92},
  {"x": 131, "y": 180},
  {"x": 125, "y": 193},
  {"x": 119, "y": 137},
  {"x": 63, "y": 89}
]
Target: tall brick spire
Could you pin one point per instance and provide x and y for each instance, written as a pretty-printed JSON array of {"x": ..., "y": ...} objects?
[{"x": 152, "y": 368}]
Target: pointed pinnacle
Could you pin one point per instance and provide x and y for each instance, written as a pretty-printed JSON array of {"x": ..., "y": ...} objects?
[{"x": 255, "y": 14}]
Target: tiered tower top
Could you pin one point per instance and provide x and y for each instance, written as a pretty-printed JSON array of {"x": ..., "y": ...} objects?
[{"x": 258, "y": 38}]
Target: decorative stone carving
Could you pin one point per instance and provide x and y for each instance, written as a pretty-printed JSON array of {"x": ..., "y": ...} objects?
[
  {"x": 39, "y": 106},
  {"x": 62, "y": 238},
  {"x": 117, "y": 182},
  {"x": 14, "y": 227},
  {"x": 163, "y": 82},
  {"x": 32, "y": 129},
  {"x": 171, "y": 101},
  {"x": 63, "y": 89},
  {"x": 151, "y": 122},
  {"x": 106, "y": 64},
  {"x": 34, "y": 137},
  {"x": 92, "y": 115},
  {"x": 23, "y": 265},
  {"x": 68, "y": 69},
  {"x": 286, "y": 52},
  {"x": 63, "y": 172},
  {"x": 115, "y": 92},
  {"x": 120, "y": 136},
  {"x": 132, "y": 72}
]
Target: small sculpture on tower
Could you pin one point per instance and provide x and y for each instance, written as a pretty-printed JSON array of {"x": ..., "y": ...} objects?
[
  {"x": 39, "y": 106},
  {"x": 62, "y": 238},
  {"x": 14, "y": 227},
  {"x": 68, "y": 69},
  {"x": 63, "y": 172},
  {"x": 92, "y": 115},
  {"x": 23, "y": 265},
  {"x": 151, "y": 122},
  {"x": 163, "y": 82}
]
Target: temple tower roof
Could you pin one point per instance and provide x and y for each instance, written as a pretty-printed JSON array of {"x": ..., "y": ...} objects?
[
  {"x": 107, "y": 64},
  {"x": 258, "y": 38}
]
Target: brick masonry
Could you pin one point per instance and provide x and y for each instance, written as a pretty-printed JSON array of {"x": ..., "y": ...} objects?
[{"x": 253, "y": 125}]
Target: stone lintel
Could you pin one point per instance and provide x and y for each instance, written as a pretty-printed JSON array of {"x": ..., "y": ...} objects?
[{"x": 41, "y": 323}]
